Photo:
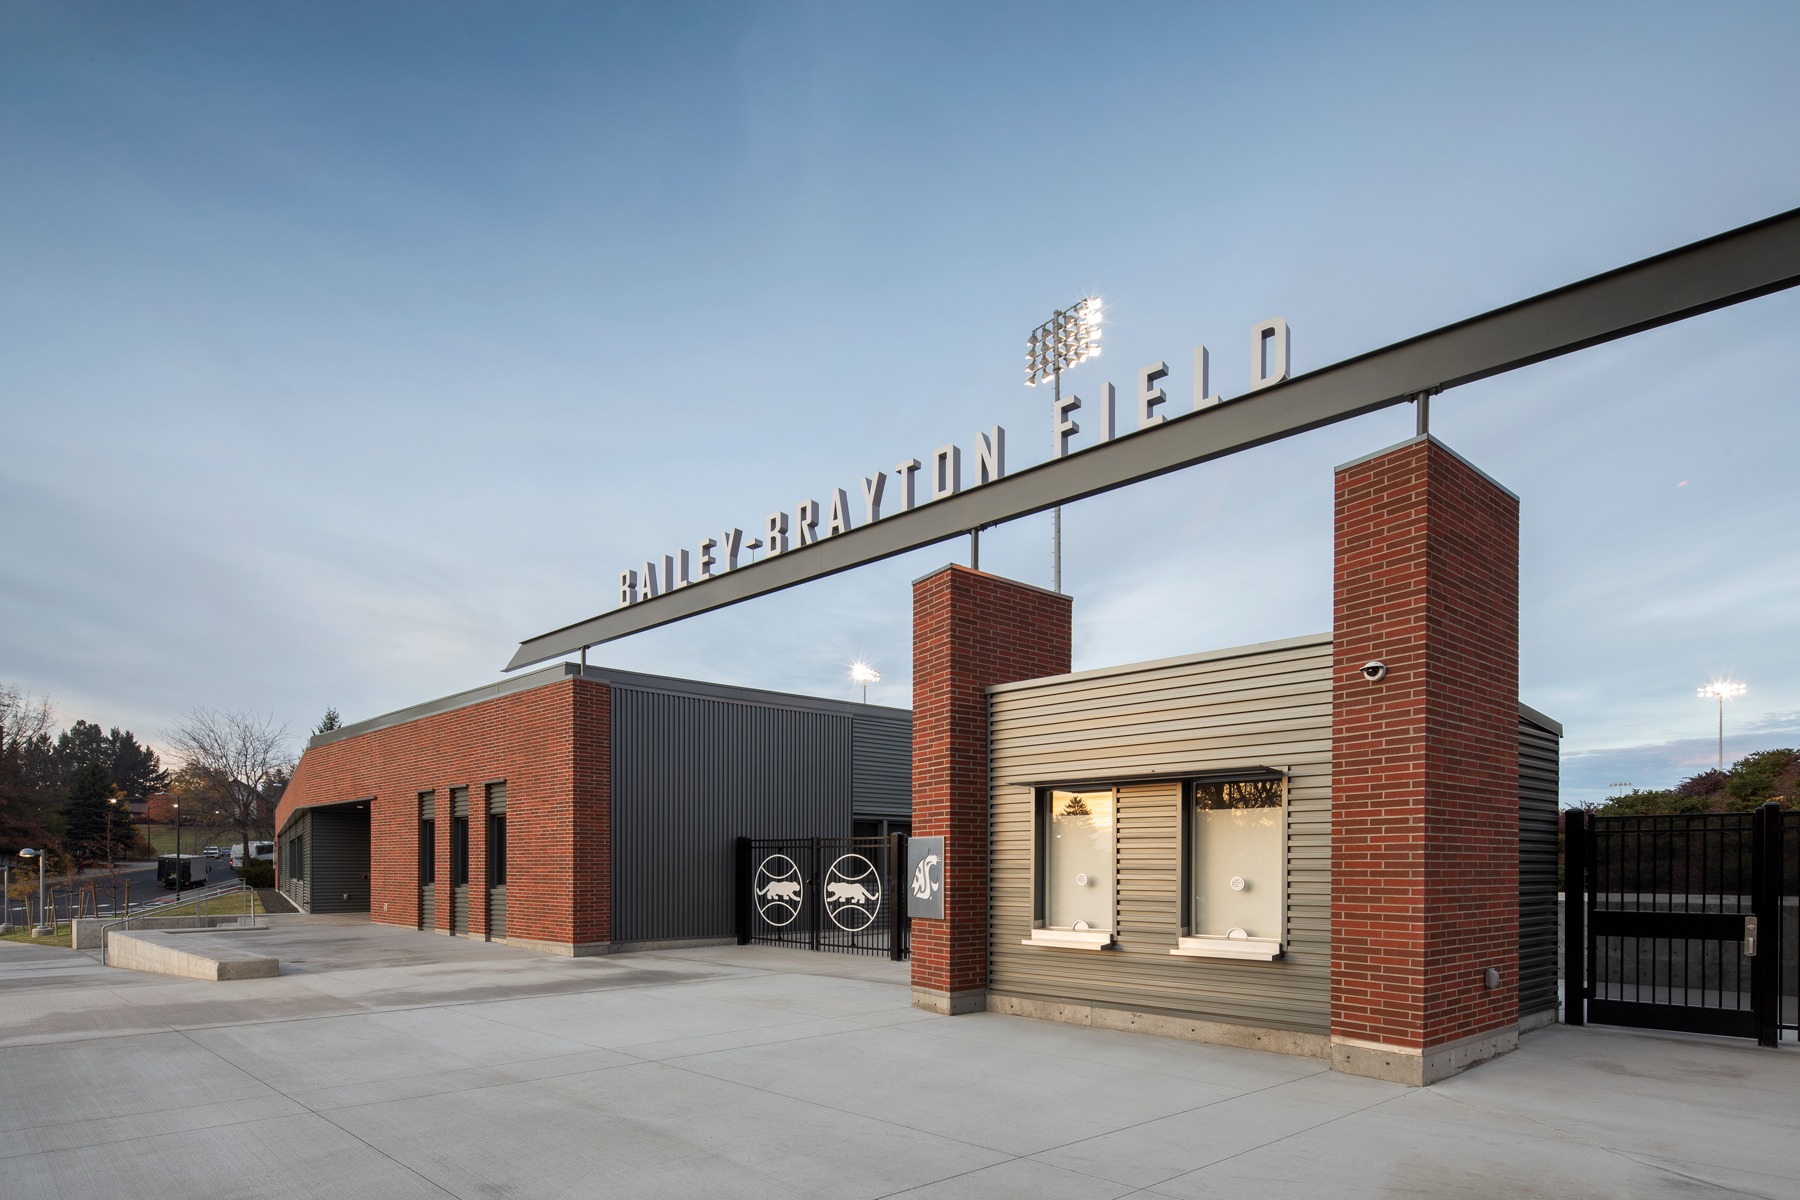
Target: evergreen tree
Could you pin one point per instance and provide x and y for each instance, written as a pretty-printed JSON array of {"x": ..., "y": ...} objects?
[
  {"x": 86, "y": 813},
  {"x": 136, "y": 769},
  {"x": 76, "y": 747},
  {"x": 329, "y": 722}
]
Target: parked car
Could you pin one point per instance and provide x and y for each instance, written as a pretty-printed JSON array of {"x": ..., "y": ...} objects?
[{"x": 212, "y": 851}]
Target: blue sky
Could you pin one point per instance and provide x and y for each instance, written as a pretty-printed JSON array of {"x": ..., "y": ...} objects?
[{"x": 348, "y": 345}]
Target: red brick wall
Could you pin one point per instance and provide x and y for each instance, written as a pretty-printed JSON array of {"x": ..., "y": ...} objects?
[
  {"x": 970, "y": 630},
  {"x": 550, "y": 744},
  {"x": 1425, "y": 785}
]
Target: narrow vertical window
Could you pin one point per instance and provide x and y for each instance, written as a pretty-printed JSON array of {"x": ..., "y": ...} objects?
[
  {"x": 496, "y": 840},
  {"x": 427, "y": 851},
  {"x": 1074, "y": 868},
  {"x": 459, "y": 851}
]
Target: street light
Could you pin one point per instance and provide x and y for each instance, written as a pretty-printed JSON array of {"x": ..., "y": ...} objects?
[
  {"x": 1722, "y": 690},
  {"x": 861, "y": 672},
  {"x": 111, "y": 804},
  {"x": 6, "y": 894},
  {"x": 43, "y": 929},
  {"x": 1071, "y": 336}
]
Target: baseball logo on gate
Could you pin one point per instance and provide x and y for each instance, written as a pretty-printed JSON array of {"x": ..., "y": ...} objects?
[
  {"x": 778, "y": 889},
  {"x": 852, "y": 893}
]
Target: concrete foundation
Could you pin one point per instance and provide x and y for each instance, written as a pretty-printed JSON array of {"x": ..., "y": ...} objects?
[{"x": 182, "y": 955}]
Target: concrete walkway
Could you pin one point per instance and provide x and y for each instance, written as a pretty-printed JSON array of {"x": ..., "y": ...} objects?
[{"x": 398, "y": 1064}]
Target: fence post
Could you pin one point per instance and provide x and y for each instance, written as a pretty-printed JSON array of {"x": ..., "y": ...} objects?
[
  {"x": 813, "y": 903},
  {"x": 1575, "y": 916},
  {"x": 897, "y": 909},
  {"x": 742, "y": 905},
  {"x": 1765, "y": 906}
]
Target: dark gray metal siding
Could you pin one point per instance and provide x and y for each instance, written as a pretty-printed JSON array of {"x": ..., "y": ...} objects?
[
  {"x": 459, "y": 892},
  {"x": 692, "y": 773},
  {"x": 496, "y": 806},
  {"x": 1539, "y": 749},
  {"x": 883, "y": 746},
  {"x": 337, "y": 853}
]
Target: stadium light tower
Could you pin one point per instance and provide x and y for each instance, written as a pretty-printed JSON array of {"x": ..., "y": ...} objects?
[
  {"x": 1071, "y": 336},
  {"x": 1722, "y": 690},
  {"x": 861, "y": 672}
]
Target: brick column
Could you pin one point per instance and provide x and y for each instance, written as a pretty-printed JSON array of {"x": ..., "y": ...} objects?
[
  {"x": 970, "y": 630},
  {"x": 1425, "y": 766}
]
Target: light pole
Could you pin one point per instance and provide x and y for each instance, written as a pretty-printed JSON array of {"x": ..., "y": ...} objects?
[
  {"x": 43, "y": 929},
  {"x": 1721, "y": 690},
  {"x": 1069, "y": 337},
  {"x": 177, "y": 808},
  {"x": 111, "y": 804},
  {"x": 861, "y": 672},
  {"x": 6, "y": 894}
]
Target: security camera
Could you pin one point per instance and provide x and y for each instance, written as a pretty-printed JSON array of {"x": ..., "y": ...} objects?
[{"x": 1374, "y": 671}]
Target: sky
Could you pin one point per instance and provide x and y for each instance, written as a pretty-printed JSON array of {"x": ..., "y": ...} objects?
[{"x": 348, "y": 345}]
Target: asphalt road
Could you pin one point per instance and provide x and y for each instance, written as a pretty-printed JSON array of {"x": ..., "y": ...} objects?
[{"x": 142, "y": 876}]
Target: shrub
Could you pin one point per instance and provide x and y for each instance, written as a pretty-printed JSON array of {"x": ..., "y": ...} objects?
[{"x": 258, "y": 874}]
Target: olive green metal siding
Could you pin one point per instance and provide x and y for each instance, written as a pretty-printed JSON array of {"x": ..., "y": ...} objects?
[
  {"x": 298, "y": 889},
  {"x": 1539, "y": 746},
  {"x": 1256, "y": 706}
]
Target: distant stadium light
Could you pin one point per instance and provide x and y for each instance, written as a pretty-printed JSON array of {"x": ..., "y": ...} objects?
[
  {"x": 861, "y": 672},
  {"x": 1070, "y": 336},
  {"x": 1721, "y": 690}
]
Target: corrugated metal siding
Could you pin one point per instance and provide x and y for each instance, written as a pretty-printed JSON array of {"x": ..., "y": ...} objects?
[
  {"x": 428, "y": 891},
  {"x": 298, "y": 890},
  {"x": 496, "y": 806},
  {"x": 338, "y": 860},
  {"x": 1539, "y": 751},
  {"x": 459, "y": 893},
  {"x": 692, "y": 773},
  {"x": 1263, "y": 706},
  {"x": 883, "y": 785}
]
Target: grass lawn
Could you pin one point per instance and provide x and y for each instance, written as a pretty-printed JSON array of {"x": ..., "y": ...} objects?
[
  {"x": 217, "y": 906},
  {"x": 194, "y": 840}
]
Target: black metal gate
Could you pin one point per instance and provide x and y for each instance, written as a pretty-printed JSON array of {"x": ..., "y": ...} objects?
[
  {"x": 1680, "y": 922},
  {"x": 839, "y": 894}
]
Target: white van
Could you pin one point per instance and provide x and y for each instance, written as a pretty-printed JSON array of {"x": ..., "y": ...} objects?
[{"x": 259, "y": 852}]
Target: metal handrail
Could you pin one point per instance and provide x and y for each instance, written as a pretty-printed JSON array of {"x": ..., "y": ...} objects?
[{"x": 195, "y": 898}]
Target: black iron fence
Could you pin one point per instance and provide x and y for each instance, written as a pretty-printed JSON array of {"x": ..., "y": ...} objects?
[
  {"x": 837, "y": 894},
  {"x": 1683, "y": 922}
]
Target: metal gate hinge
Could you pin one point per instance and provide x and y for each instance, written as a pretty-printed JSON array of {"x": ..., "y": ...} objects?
[{"x": 1749, "y": 937}]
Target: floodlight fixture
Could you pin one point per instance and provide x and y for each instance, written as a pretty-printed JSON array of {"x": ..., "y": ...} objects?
[
  {"x": 1721, "y": 690},
  {"x": 1071, "y": 336},
  {"x": 861, "y": 672}
]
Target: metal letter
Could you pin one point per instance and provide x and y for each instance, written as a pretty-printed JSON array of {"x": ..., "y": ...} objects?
[
  {"x": 990, "y": 455},
  {"x": 872, "y": 489},
  {"x": 1203, "y": 397},
  {"x": 904, "y": 472},
  {"x": 681, "y": 568},
  {"x": 668, "y": 582},
  {"x": 806, "y": 521},
  {"x": 946, "y": 472},
  {"x": 627, "y": 587},
  {"x": 840, "y": 513},
  {"x": 650, "y": 589},
  {"x": 1150, "y": 396},
  {"x": 777, "y": 534},
  {"x": 1109, "y": 423},
  {"x": 707, "y": 561},
  {"x": 1268, "y": 364},
  {"x": 734, "y": 542},
  {"x": 1062, "y": 425}
]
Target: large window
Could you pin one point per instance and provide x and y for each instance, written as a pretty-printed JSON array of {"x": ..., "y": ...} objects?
[
  {"x": 296, "y": 864},
  {"x": 1234, "y": 871},
  {"x": 1074, "y": 864}
]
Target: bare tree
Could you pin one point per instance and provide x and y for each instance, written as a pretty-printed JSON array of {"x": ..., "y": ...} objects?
[{"x": 237, "y": 759}]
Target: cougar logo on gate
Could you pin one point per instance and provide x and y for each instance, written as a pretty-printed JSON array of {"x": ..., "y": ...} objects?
[
  {"x": 778, "y": 889},
  {"x": 852, "y": 893}
]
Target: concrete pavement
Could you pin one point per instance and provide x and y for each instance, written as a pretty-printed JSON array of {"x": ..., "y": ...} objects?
[{"x": 394, "y": 1063}]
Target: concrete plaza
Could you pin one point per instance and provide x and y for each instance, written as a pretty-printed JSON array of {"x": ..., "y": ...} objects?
[{"x": 390, "y": 1063}]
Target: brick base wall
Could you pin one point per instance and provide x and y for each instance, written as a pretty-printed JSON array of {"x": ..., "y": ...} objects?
[
  {"x": 970, "y": 630},
  {"x": 1425, "y": 785},
  {"x": 552, "y": 747}
]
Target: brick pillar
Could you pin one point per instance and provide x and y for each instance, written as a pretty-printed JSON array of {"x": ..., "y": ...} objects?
[
  {"x": 1425, "y": 766},
  {"x": 590, "y": 832},
  {"x": 970, "y": 630}
]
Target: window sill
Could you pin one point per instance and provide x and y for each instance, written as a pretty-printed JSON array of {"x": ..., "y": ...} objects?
[
  {"x": 1256, "y": 949},
  {"x": 1071, "y": 939}
]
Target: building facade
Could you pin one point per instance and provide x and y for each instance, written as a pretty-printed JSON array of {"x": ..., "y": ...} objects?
[{"x": 579, "y": 812}]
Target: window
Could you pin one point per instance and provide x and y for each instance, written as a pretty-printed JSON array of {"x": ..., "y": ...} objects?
[
  {"x": 496, "y": 847},
  {"x": 296, "y": 864},
  {"x": 427, "y": 851},
  {"x": 459, "y": 851},
  {"x": 1074, "y": 864},
  {"x": 1234, "y": 868}
]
